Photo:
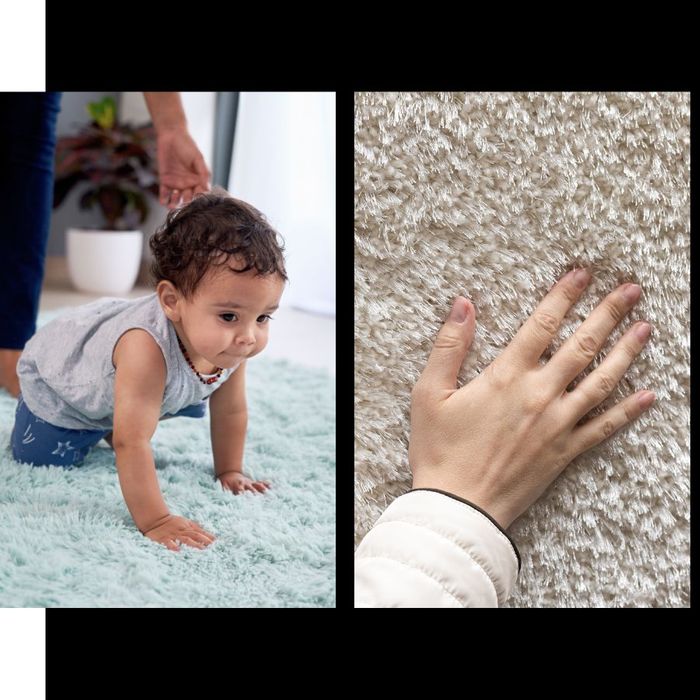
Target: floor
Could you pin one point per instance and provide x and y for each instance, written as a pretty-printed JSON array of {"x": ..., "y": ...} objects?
[{"x": 304, "y": 338}]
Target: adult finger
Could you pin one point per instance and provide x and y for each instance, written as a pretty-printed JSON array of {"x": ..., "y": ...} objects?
[
  {"x": 172, "y": 198},
  {"x": 186, "y": 195},
  {"x": 164, "y": 196},
  {"x": 598, "y": 385},
  {"x": 450, "y": 348},
  {"x": 539, "y": 330},
  {"x": 602, "y": 427},
  {"x": 579, "y": 350},
  {"x": 201, "y": 168}
]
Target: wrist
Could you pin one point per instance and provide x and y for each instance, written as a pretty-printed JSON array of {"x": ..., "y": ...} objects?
[
  {"x": 152, "y": 524},
  {"x": 228, "y": 471},
  {"x": 499, "y": 515},
  {"x": 171, "y": 128}
]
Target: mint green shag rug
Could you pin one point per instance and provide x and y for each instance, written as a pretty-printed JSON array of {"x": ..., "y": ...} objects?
[{"x": 67, "y": 538}]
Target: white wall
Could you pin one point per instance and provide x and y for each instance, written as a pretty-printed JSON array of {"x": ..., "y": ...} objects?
[{"x": 284, "y": 164}]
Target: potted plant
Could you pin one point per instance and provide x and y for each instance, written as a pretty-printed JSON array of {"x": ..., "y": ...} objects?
[{"x": 118, "y": 162}]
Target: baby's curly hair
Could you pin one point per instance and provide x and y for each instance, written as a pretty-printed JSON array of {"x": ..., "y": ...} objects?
[{"x": 208, "y": 231}]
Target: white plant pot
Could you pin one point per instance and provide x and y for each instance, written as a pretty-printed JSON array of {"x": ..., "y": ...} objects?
[{"x": 104, "y": 262}]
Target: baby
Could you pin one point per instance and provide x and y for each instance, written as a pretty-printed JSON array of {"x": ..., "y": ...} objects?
[{"x": 113, "y": 368}]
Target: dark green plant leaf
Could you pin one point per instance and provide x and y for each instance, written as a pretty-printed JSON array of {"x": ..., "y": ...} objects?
[
  {"x": 88, "y": 199},
  {"x": 63, "y": 185},
  {"x": 118, "y": 159}
]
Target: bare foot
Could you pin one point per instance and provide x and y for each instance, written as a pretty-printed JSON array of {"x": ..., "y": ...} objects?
[{"x": 8, "y": 371}]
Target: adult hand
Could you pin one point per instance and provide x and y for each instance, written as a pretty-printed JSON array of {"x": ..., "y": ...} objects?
[
  {"x": 181, "y": 167},
  {"x": 501, "y": 439}
]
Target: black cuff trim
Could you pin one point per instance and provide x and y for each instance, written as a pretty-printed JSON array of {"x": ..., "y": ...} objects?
[{"x": 483, "y": 512}]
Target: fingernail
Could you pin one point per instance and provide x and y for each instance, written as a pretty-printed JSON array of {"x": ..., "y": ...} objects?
[
  {"x": 459, "y": 311},
  {"x": 646, "y": 399},
  {"x": 642, "y": 331},
  {"x": 581, "y": 278},
  {"x": 631, "y": 292}
]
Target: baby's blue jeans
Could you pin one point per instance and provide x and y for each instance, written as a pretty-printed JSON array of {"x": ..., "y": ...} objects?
[{"x": 41, "y": 444}]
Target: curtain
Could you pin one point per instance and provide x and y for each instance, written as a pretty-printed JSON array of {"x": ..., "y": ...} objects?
[
  {"x": 283, "y": 163},
  {"x": 224, "y": 132}
]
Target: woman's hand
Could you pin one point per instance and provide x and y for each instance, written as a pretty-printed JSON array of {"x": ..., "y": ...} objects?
[
  {"x": 500, "y": 440},
  {"x": 181, "y": 168}
]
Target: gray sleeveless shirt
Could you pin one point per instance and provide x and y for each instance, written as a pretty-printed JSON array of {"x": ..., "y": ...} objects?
[{"x": 66, "y": 373}]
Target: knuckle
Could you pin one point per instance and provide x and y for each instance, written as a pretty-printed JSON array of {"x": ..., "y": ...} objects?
[
  {"x": 586, "y": 345},
  {"x": 613, "y": 310},
  {"x": 571, "y": 292},
  {"x": 630, "y": 351},
  {"x": 630, "y": 413},
  {"x": 560, "y": 463},
  {"x": 497, "y": 375},
  {"x": 605, "y": 383},
  {"x": 537, "y": 402},
  {"x": 447, "y": 341},
  {"x": 608, "y": 428},
  {"x": 545, "y": 322}
]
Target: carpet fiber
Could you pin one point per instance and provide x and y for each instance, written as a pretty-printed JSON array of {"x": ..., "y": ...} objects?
[
  {"x": 495, "y": 196},
  {"x": 68, "y": 540}
]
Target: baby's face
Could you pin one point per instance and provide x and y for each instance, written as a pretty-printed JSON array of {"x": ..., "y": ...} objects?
[{"x": 228, "y": 319}]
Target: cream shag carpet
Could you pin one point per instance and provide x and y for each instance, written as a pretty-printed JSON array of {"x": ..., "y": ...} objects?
[{"x": 494, "y": 196}]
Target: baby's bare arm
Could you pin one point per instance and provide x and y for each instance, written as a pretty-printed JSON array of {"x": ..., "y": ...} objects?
[
  {"x": 139, "y": 483},
  {"x": 139, "y": 384},
  {"x": 229, "y": 420},
  {"x": 137, "y": 476}
]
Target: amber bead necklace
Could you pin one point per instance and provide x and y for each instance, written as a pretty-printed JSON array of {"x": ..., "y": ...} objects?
[{"x": 209, "y": 380}]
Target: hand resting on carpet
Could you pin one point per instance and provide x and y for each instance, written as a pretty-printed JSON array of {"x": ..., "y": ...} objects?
[
  {"x": 483, "y": 453},
  {"x": 500, "y": 440},
  {"x": 173, "y": 530},
  {"x": 237, "y": 482}
]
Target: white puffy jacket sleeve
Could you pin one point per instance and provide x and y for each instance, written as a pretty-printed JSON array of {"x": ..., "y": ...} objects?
[{"x": 433, "y": 549}]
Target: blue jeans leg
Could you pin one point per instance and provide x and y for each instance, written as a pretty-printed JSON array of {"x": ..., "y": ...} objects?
[
  {"x": 27, "y": 146},
  {"x": 37, "y": 442},
  {"x": 195, "y": 410}
]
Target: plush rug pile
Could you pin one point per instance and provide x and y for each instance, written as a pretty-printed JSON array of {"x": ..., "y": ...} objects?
[
  {"x": 495, "y": 196},
  {"x": 67, "y": 538}
]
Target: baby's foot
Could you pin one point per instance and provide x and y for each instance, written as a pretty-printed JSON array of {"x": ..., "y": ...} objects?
[{"x": 8, "y": 371}]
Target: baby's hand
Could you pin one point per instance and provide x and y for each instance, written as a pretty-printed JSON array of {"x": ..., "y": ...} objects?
[
  {"x": 239, "y": 482},
  {"x": 177, "y": 530}
]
